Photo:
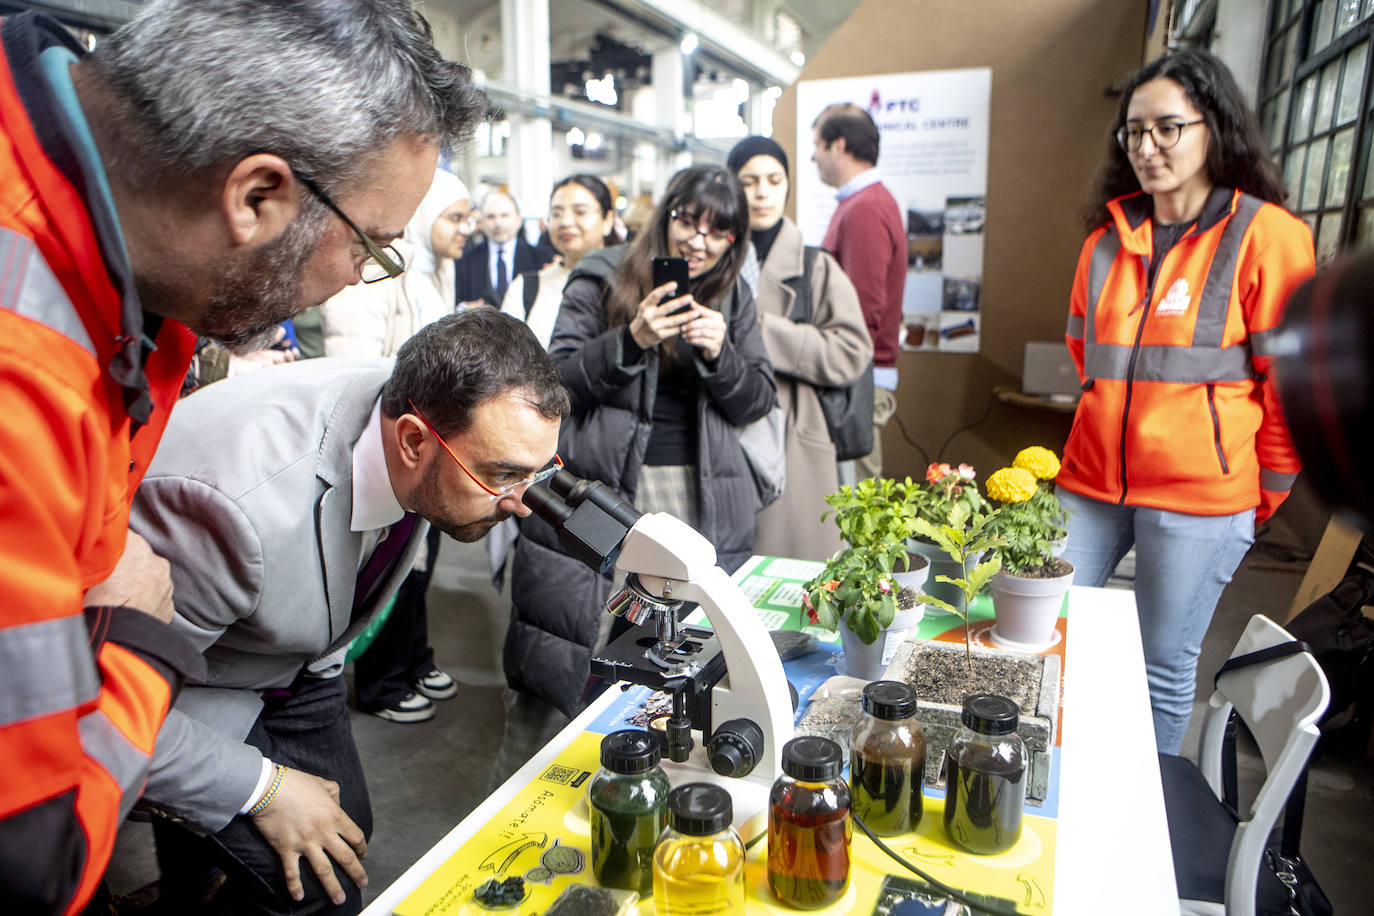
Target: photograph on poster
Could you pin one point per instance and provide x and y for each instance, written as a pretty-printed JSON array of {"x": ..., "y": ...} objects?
[{"x": 932, "y": 157}]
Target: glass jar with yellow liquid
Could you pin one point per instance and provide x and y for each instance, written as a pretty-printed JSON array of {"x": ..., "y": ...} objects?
[{"x": 699, "y": 860}]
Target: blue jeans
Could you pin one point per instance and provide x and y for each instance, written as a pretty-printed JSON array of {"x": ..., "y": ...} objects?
[{"x": 1183, "y": 563}]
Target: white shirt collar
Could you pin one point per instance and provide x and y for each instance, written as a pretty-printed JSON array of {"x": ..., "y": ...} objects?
[
  {"x": 858, "y": 183},
  {"x": 374, "y": 504}
]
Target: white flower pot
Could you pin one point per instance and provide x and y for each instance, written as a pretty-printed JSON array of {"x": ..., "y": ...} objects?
[
  {"x": 867, "y": 662},
  {"x": 916, "y": 575},
  {"x": 860, "y": 660},
  {"x": 1026, "y": 610}
]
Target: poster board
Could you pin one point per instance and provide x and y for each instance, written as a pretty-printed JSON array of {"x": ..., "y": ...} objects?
[{"x": 933, "y": 158}]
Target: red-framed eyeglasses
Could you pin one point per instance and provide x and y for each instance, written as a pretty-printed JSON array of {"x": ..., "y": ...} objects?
[{"x": 537, "y": 477}]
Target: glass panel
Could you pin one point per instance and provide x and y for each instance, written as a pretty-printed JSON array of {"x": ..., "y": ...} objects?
[
  {"x": 1290, "y": 54},
  {"x": 1321, "y": 26},
  {"x": 1368, "y": 189},
  {"x": 1278, "y": 114},
  {"x": 1314, "y": 175},
  {"x": 1273, "y": 71},
  {"x": 1349, "y": 105},
  {"x": 1364, "y": 232},
  {"x": 1338, "y": 176},
  {"x": 1348, "y": 15},
  {"x": 1367, "y": 8},
  {"x": 1328, "y": 237},
  {"x": 1302, "y": 112},
  {"x": 1292, "y": 171},
  {"x": 1326, "y": 96}
]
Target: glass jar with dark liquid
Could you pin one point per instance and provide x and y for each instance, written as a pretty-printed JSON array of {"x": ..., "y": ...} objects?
[
  {"x": 887, "y": 760},
  {"x": 808, "y": 825},
  {"x": 627, "y": 803},
  {"x": 985, "y": 777}
]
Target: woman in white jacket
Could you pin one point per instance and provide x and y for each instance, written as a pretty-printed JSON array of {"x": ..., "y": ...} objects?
[{"x": 374, "y": 319}]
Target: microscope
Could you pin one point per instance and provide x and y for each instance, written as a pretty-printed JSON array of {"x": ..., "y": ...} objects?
[{"x": 726, "y": 682}]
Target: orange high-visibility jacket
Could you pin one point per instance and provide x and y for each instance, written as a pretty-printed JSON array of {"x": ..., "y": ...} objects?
[
  {"x": 82, "y": 693},
  {"x": 1178, "y": 411}
]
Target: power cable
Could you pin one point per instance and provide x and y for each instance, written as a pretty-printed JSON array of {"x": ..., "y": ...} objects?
[{"x": 992, "y": 399}]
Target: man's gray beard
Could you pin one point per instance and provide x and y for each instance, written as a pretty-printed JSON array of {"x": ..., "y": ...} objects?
[{"x": 253, "y": 296}]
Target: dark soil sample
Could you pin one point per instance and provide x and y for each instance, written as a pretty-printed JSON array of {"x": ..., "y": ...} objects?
[{"x": 944, "y": 677}]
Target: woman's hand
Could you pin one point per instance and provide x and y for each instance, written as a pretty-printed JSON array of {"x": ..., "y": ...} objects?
[
  {"x": 706, "y": 331},
  {"x": 654, "y": 322}
]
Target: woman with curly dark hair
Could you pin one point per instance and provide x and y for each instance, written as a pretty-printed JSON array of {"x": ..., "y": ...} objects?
[
  {"x": 659, "y": 382},
  {"x": 1178, "y": 446}
]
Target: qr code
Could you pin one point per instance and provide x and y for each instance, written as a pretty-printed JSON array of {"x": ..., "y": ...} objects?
[{"x": 564, "y": 776}]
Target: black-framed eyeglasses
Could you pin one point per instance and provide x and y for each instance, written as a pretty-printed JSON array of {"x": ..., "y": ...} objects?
[
  {"x": 383, "y": 261},
  {"x": 1164, "y": 135},
  {"x": 688, "y": 224}
]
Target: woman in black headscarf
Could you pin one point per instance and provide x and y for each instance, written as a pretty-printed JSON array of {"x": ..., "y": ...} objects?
[{"x": 831, "y": 348}]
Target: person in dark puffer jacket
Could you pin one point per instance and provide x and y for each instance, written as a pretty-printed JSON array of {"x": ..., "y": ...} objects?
[{"x": 658, "y": 385}]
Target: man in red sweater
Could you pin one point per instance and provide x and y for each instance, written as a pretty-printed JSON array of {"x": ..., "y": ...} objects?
[{"x": 868, "y": 237}]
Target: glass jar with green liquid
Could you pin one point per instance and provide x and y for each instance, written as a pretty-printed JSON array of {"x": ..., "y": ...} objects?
[
  {"x": 699, "y": 861},
  {"x": 628, "y": 804}
]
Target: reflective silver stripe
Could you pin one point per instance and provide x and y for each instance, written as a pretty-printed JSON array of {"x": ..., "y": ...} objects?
[
  {"x": 1215, "y": 301},
  {"x": 107, "y": 745},
  {"x": 1276, "y": 482},
  {"x": 1075, "y": 327},
  {"x": 1263, "y": 343},
  {"x": 1181, "y": 365},
  {"x": 1104, "y": 255},
  {"x": 29, "y": 288},
  {"x": 45, "y": 667}
]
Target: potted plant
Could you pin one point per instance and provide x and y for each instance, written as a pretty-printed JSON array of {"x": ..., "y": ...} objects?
[
  {"x": 1028, "y": 592},
  {"x": 946, "y": 487},
  {"x": 963, "y": 537},
  {"x": 859, "y": 585}
]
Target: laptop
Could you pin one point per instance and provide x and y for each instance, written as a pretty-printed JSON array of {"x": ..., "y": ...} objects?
[{"x": 1047, "y": 371}]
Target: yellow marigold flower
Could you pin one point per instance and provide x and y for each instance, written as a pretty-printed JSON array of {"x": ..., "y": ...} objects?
[
  {"x": 1039, "y": 460},
  {"x": 1012, "y": 485}
]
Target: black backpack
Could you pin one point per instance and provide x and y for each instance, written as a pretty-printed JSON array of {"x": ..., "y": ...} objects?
[{"x": 848, "y": 408}]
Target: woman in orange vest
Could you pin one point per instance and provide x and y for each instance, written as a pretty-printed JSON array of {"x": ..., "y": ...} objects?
[{"x": 1178, "y": 446}]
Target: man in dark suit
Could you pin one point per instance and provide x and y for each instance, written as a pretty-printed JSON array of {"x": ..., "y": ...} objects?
[
  {"x": 291, "y": 503},
  {"x": 484, "y": 271}
]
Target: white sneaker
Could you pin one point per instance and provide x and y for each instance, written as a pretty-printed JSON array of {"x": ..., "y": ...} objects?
[
  {"x": 410, "y": 708},
  {"x": 437, "y": 685}
]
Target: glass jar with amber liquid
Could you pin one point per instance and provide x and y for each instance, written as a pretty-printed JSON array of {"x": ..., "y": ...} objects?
[
  {"x": 699, "y": 860},
  {"x": 985, "y": 777},
  {"x": 808, "y": 825},
  {"x": 887, "y": 760}
]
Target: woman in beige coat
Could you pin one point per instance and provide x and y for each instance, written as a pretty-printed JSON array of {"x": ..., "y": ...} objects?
[
  {"x": 832, "y": 349},
  {"x": 374, "y": 319}
]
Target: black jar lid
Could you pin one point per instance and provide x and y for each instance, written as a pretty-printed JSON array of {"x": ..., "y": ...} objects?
[
  {"x": 699, "y": 809},
  {"x": 889, "y": 700},
  {"x": 812, "y": 759},
  {"x": 989, "y": 714},
  {"x": 630, "y": 751}
]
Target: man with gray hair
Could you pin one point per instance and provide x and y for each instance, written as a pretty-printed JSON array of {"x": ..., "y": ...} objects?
[{"x": 191, "y": 176}]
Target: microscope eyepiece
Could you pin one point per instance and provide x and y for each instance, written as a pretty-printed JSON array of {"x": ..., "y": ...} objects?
[{"x": 589, "y": 517}]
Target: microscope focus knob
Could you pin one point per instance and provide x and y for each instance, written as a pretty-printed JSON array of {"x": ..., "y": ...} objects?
[{"x": 736, "y": 748}]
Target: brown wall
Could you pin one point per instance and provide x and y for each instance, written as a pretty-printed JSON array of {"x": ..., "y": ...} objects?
[{"x": 1052, "y": 63}]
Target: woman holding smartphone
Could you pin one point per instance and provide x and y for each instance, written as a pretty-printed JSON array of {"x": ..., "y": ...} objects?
[
  {"x": 1178, "y": 445},
  {"x": 658, "y": 383}
]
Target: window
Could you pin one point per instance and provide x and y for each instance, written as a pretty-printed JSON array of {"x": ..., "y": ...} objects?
[{"x": 1315, "y": 108}]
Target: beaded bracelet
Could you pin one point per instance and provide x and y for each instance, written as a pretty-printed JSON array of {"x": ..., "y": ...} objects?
[{"x": 271, "y": 790}]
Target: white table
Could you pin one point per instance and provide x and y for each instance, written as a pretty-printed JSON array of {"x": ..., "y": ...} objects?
[{"x": 1112, "y": 851}]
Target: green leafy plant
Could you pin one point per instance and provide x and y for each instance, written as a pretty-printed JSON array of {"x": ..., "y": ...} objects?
[
  {"x": 963, "y": 535},
  {"x": 874, "y": 512},
  {"x": 946, "y": 486},
  {"x": 856, "y": 588},
  {"x": 1030, "y": 520},
  {"x": 875, "y": 517}
]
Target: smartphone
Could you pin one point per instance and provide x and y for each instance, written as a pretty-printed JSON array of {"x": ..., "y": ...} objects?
[{"x": 672, "y": 270}]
